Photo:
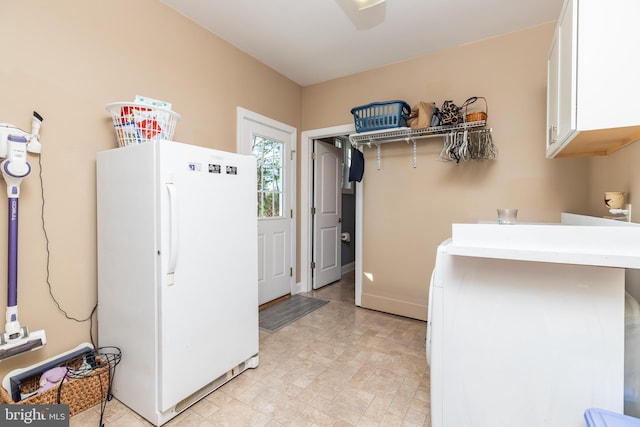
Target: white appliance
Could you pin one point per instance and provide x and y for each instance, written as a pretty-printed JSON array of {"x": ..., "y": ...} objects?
[
  {"x": 177, "y": 272},
  {"x": 526, "y": 323}
]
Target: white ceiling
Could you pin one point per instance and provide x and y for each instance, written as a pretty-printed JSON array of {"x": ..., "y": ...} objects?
[{"x": 311, "y": 41}]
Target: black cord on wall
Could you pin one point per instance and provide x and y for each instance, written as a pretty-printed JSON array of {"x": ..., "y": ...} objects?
[{"x": 89, "y": 318}]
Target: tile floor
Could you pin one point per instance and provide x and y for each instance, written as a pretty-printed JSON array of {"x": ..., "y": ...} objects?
[{"x": 341, "y": 365}]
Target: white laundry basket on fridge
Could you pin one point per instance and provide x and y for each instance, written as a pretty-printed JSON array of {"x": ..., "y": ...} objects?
[{"x": 138, "y": 123}]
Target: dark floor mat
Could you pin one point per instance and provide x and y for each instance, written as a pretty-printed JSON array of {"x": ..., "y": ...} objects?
[{"x": 287, "y": 311}]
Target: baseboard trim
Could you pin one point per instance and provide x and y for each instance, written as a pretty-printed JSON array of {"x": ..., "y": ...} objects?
[
  {"x": 347, "y": 268},
  {"x": 394, "y": 306}
]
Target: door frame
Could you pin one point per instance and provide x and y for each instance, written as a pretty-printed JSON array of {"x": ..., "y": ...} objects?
[
  {"x": 306, "y": 202},
  {"x": 244, "y": 115}
]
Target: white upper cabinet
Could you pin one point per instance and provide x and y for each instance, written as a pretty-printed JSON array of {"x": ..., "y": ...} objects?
[{"x": 593, "y": 88}]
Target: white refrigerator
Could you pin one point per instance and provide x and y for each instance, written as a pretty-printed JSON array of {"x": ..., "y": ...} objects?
[{"x": 177, "y": 271}]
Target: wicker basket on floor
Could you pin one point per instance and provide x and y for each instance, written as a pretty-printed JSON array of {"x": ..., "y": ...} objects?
[{"x": 80, "y": 391}]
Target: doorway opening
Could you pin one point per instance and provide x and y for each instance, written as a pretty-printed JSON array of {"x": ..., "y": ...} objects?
[
  {"x": 308, "y": 139},
  {"x": 339, "y": 147}
]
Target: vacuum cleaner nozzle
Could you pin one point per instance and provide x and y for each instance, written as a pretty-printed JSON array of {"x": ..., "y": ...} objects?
[{"x": 30, "y": 342}]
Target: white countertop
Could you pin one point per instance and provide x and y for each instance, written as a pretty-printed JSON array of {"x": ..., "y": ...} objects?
[{"x": 565, "y": 243}]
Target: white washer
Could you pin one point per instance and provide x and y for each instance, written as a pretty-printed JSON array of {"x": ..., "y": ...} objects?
[
  {"x": 429, "y": 320},
  {"x": 515, "y": 342}
]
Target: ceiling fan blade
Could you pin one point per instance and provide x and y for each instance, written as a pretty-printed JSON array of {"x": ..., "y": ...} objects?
[
  {"x": 366, "y": 4},
  {"x": 364, "y": 19}
]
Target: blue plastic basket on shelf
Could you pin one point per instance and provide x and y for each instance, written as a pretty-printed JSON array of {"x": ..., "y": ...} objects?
[{"x": 381, "y": 115}]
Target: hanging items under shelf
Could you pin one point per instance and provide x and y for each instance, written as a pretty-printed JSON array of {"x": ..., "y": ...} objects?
[
  {"x": 468, "y": 145},
  {"x": 481, "y": 147}
]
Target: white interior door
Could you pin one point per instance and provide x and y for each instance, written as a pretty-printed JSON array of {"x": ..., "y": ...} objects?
[
  {"x": 271, "y": 143},
  {"x": 327, "y": 220}
]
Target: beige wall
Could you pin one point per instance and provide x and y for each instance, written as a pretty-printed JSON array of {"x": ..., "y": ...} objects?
[
  {"x": 408, "y": 212},
  {"x": 67, "y": 59},
  {"x": 617, "y": 172}
]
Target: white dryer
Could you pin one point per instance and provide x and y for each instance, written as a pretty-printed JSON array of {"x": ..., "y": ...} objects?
[
  {"x": 429, "y": 320},
  {"x": 527, "y": 335}
]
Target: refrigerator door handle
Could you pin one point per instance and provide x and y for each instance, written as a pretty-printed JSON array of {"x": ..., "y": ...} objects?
[{"x": 173, "y": 232}]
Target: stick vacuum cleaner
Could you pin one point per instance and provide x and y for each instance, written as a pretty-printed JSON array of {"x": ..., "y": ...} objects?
[{"x": 14, "y": 144}]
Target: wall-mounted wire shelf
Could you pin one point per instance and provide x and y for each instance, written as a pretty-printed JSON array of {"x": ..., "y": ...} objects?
[
  {"x": 380, "y": 137},
  {"x": 402, "y": 134}
]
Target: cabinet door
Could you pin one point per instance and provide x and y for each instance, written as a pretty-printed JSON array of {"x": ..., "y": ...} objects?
[
  {"x": 552, "y": 96},
  {"x": 561, "y": 82},
  {"x": 600, "y": 39},
  {"x": 567, "y": 67}
]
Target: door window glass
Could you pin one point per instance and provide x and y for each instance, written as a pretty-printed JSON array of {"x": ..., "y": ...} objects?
[{"x": 270, "y": 160}]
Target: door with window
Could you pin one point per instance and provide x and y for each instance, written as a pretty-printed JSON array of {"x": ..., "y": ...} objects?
[{"x": 270, "y": 142}]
